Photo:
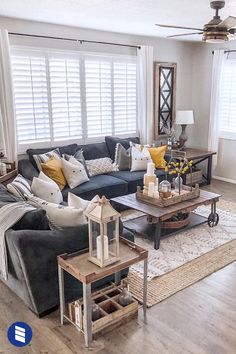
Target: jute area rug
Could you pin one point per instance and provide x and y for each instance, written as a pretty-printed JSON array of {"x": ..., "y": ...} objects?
[{"x": 187, "y": 257}]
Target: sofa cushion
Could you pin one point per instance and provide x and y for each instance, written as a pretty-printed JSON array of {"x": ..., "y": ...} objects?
[
  {"x": 111, "y": 142},
  {"x": 6, "y": 196},
  {"x": 94, "y": 151},
  {"x": 33, "y": 220},
  {"x": 102, "y": 185},
  {"x": 135, "y": 179},
  {"x": 67, "y": 149}
]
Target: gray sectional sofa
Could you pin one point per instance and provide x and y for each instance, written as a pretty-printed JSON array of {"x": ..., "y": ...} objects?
[
  {"x": 33, "y": 248},
  {"x": 111, "y": 185}
]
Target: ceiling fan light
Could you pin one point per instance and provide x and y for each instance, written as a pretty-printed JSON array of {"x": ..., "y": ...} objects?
[{"x": 213, "y": 37}]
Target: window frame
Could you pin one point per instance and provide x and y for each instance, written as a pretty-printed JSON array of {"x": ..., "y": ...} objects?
[
  {"x": 81, "y": 55},
  {"x": 223, "y": 133}
]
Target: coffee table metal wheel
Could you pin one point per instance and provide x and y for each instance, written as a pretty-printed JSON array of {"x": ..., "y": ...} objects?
[{"x": 213, "y": 218}]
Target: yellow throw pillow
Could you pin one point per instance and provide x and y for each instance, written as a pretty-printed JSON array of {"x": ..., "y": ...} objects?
[
  {"x": 157, "y": 155},
  {"x": 52, "y": 168}
]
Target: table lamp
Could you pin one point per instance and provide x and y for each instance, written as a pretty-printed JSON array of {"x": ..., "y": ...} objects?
[{"x": 184, "y": 118}]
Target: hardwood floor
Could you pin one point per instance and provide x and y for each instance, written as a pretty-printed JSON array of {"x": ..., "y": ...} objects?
[{"x": 199, "y": 320}]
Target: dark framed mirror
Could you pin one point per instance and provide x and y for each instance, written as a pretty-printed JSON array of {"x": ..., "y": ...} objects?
[{"x": 164, "y": 97}]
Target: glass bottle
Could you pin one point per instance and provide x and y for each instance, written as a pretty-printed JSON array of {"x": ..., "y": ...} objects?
[
  {"x": 125, "y": 297},
  {"x": 95, "y": 311}
]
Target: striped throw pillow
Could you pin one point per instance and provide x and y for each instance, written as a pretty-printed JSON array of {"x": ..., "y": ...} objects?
[
  {"x": 20, "y": 187},
  {"x": 44, "y": 158}
]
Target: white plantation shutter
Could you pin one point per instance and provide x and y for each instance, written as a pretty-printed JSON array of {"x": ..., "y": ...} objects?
[
  {"x": 72, "y": 96},
  {"x": 125, "y": 105},
  {"x": 31, "y": 99},
  {"x": 65, "y": 98},
  {"x": 98, "y": 81},
  {"x": 227, "y": 105}
]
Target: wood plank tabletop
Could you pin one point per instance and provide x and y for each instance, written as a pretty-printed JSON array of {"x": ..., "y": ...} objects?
[
  {"x": 165, "y": 212},
  {"x": 78, "y": 265},
  {"x": 193, "y": 154}
]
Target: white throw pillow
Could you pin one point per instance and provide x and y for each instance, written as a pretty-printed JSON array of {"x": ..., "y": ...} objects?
[
  {"x": 19, "y": 187},
  {"x": 74, "y": 173},
  {"x": 45, "y": 188},
  {"x": 80, "y": 203},
  {"x": 140, "y": 147},
  {"x": 59, "y": 216},
  {"x": 100, "y": 166},
  {"x": 139, "y": 159}
]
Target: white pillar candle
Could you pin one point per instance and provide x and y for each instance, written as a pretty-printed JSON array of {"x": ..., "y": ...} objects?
[
  {"x": 157, "y": 183},
  {"x": 151, "y": 187},
  {"x": 156, "y": 192},
  {"x": 99, "y": 247},
  {"x": 150, "y": 168}
]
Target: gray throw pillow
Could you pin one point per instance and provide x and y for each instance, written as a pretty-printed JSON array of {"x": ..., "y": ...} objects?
[
  {"x": 122, "y": 157},
  {"x": 79, "y": 156}
]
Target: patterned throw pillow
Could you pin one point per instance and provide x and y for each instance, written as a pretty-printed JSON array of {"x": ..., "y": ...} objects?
[
  {"x": 20, "y": 187},
  {"x": 43, "y": 158},
  {"x": 79, "y": 156},
  {"x": 140, "y": 159},
  {"x": 100, "y": 166},
  {"x": 122, "y": 158},
  {"x": 74, "y": 172},
  {"x": 45, "y": 188}
]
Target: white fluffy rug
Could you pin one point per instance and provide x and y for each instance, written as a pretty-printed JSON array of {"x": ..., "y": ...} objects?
[{"x": 185, "y": 246}]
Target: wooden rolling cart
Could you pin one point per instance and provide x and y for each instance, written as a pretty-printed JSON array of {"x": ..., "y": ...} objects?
[{"x": 78, "y": 265}]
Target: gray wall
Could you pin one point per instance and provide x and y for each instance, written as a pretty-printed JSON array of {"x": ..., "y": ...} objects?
[{"x": 201, "y": 94}]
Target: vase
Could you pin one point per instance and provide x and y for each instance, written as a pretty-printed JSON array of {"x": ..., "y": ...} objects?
[
  {"x": 178, "y": 183},
  {"x": 125, "y": 297},
  {"x": 95, "y": 312}
]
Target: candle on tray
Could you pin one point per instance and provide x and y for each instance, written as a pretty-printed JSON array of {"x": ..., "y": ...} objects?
[
  {"x": 151, "y": 187},
  {"x": 157, "y": 183},
  {"x": 156, "y": 192},
  {"x": 145, "y": 190},
  {"x": 150, "y": 168},
  {"x": 99, "y": 247}
]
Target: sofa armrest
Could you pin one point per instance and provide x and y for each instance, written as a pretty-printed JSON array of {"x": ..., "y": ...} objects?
[
  {"x": 27, "y": 170},
  {"x": 33, "y": 256}
]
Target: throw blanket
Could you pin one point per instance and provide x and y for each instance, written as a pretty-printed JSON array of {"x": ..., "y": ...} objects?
[{"x": 9, "y": 215}]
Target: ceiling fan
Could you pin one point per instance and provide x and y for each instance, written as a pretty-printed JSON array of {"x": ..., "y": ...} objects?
[{"x": 215, "y": 31}]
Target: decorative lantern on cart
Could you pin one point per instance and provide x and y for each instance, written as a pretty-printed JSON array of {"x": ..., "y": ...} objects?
[{"x": 103, "y": 223}]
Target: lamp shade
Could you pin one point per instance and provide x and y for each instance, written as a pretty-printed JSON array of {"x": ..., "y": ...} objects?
[{"x": 184, "y": 117}]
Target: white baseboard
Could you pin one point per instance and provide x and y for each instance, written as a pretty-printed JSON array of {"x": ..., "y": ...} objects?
[{"x": 225, "y": 179}]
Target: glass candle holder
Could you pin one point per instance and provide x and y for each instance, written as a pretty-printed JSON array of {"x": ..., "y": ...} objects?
[{"x": 165, "y": 189}]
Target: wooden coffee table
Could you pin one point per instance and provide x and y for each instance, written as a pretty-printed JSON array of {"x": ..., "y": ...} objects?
[{"x": 159, "y": 214}]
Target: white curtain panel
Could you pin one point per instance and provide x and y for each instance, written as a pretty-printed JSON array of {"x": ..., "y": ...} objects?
[
  {"x": 145, "y": 94},
  {"x": 6, "y": 99},
  {"x": 213, "y": 138}
]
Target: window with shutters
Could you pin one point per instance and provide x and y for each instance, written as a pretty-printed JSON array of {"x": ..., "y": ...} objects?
[
  {"x": 227, "y": 100},
  {"x": 74, "y": 97}
]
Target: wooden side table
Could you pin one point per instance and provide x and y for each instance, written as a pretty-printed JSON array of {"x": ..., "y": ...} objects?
[
  {"x": 8, "y": 177},
  {"x": 78, "y": 265},
  {"x": 199, "y": 156}
]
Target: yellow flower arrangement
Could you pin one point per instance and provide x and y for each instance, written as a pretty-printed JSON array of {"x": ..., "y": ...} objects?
[{"x": 178, "y": 168}]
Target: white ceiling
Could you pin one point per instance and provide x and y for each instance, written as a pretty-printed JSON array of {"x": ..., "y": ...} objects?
[{"x": 123, "y": 16}]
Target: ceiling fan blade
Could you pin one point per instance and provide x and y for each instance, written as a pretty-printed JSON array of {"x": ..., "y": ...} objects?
[
  {"x": 184, "y": 34},
  {"x": 179, "y": 27},
  {"x": 228, "y": 23},
  {"x": 231, "y": 37}
]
